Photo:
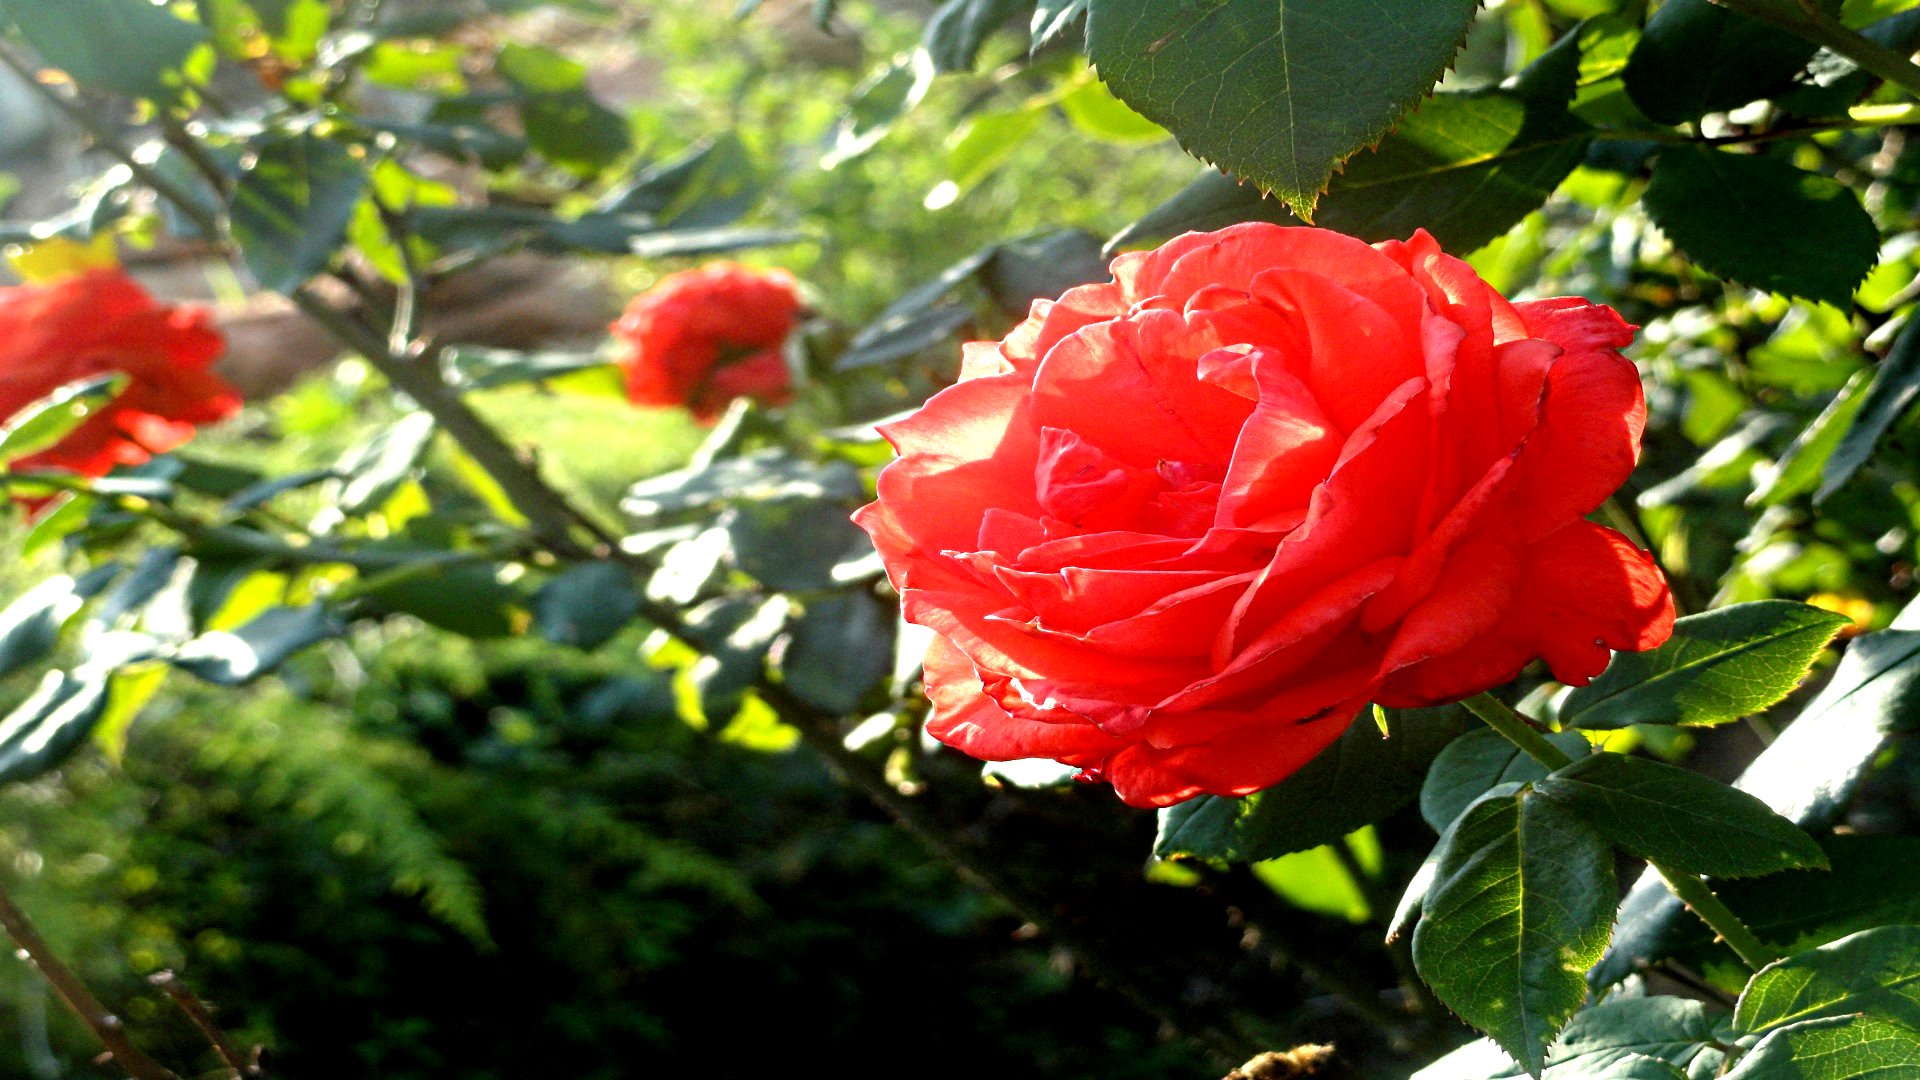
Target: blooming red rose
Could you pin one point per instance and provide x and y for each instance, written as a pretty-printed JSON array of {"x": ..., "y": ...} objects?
[
  {"x": 1178, "y": 529},
  {"x": 101, "y": 321},
  {"x": 704, "y": 337}
]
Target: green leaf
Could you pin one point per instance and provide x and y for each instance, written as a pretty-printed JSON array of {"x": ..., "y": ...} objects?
[
  {"x": 133, "y": 47},
  {"x": 1673, "y": 1030},
  {"x": 711, "y": 184},
  {"x": 1696, "y": 57},
  {"x": 1476, "y": 763},
  {"x": 370, "y": 473},
  {"x": 839, "y": 649},
  {"x": 1719, "y": 665},
  {"x": 960, "y": 27},
  {"x": 1844, "y": 1048},
  {"x": 30, "y": 625},
  {"x": 42, "y": 424},
  {"x": 796, "y": 544},
  {"x": 1212, "y": 201},
  {"x": 1358, "y": 780},
  {"x": 1099, "y": 115},
  {"x": 1042, "y": 268},
  {"x": 1053, "y": 19},
  {"x": 757, "y": 477},
  {"x": 292, "y": 206},
  {"x": 562, "y": 119},
  {"x": 471, "y": 599},
  {"x": 1896, "y": 383},
  {"x": 586, "y": 605},
  {"x": 735, "y": 634},
  {"x": 258, "y": 647},
  {"x": 1801, "y": 464},
  {"x": 1819, "y": 243},
  {"x": 1278, "y": 93},
  {"x": 878, "y": 103},
  {"x": 1679, "y": 819},
  {"x": 1320, "y": 881},
  {"x": 1875, "y": 971},
  {"x": 1520, "y": 907},
  {"x": 1872, "y": 881},
  {"x": 39, "y": 733},
  {"x": 1806, "y": 776},
  {"x": 473, "y": 367}
]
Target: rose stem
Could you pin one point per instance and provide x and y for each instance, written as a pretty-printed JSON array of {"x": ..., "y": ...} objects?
[
  {"x": 1522, "y": 732},
  {"x": 74, "y": 994}
]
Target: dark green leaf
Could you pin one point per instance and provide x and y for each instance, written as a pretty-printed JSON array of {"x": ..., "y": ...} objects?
[
  {"x": 841, "y": 648},
  {"x": 1896, "y": 383},
  {"x": 1843, "y": 1048},
  {"x": 1277, "y": 93},
  {"x": 1718, "y": 666},
  {"x": 735, "y": 633},
  {"x": 130, "y": 46},
  {"x": 796, "y": 544},
  {"x": 1806, "y": 776},
  {"x": 586, "y": 605},
  {"x": 1213, "y": 201},
  {"x": 45, "y": 422},
  {"x": 1519, "y": 909},
  {"x": 904, "y": 336},
  {"x": 56, "y": 718},
  {"x": 265, "y": 491},
  {"x": 1801, "y": 464},
  {"x": 1358, "y": 780},
  {"x": 1668, "y": 1029},
  {"x": 258, "y": 647},
  {"x": 292, "y": 206},
  {"x": 1476, "y": 763},
  {"x": 710, "y": 185},
  {"x": 960, "y": 27},
  {"x": 1054, "y": 19},
  {"x": 152, "y": 573},
  {"x": 1042, "y": 268},
  {"x": 1679, "y": 819},
  {"x": 685, "y": 243},
  {"x": 1875, "y": 971},
  {"x": 877, "y": 105},
  {"x": 467, "y": 599},
  {"x": 1697, "y": 57},
  {"x": 562, "y": 120},
  {"x": 30, "y": 626},
  {"x": 1873, "y": 881},
  {"x": 370, "y": 473},
  {"x": 1835, "y": 83},
  {"x": 461, "y": 139},
  {"x": 758, "y": 477},
  {"x": 1819, "y": 242}
]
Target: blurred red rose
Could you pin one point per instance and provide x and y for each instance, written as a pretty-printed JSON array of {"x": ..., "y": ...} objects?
[
  {"x": 703, "y": 337},
  {"x": 101, "y": 321},
  {"x": 1178, "y": 529}
]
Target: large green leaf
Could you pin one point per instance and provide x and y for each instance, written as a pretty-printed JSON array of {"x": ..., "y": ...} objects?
[
  {"x": 1896, "y": 383},
  {"x": 1847, "y": 1048},
  {"x": 1476, "y": 763},
  {"x": 956, "y": 32},
  {"x": 1718, "y": 666},
  {"x": 840, "y": 648},
  {"x": 1673, "y": 1030},
  {"x": 1358, "y": 780},
  {"x": 585, "y": 605},
  {"x": 1875, "y": 971},
  {"x": 292, "y": 206},
  {"x": 30, "y": 625},
  {"x": 1697, "y": 57},
  {"x": 1872, "y": 881},
  {"x": 133, "y": 47},
  {"x": 1679, "y": 819},
  {"x": 1279, "y": 93},
  {"x": 260, "y": 646},
  {"x": 1519, "y": 909},
  {"x": 43, "y": 729},
  {"x": 1818, "y": 242},
  {"x": 1806, "y": 776}
]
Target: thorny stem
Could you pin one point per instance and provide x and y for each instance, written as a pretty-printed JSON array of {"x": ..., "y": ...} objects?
[
  {"x": 1689, "y": 888},
  {"x": 202, "y": 1017},
  {"x": 74, "y": 994}
]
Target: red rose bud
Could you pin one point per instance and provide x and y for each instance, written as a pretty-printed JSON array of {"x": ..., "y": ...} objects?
[
  {"x": 99, "y": 322},
  {"x": 703, "y": 337},
  {"x": 1178, "y": 529}
]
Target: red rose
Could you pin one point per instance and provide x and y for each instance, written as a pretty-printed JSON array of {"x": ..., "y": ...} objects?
[
  {"x": 704, "y": 337},
  {"x": 1178, "y": 529},
  {"x": 102, "y": 321}
]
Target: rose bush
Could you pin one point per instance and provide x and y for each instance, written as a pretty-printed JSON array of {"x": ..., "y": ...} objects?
[
  {"x": 99, "y": 322},
  {"x": 703, "y": 337},
  {"x": 1178, "y": 529}
]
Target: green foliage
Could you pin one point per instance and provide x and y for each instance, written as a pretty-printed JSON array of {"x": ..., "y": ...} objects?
[
  {"x": 1519, "y": 909},
  {"x": 291, "y": 207},
  {"x": 1896, "y": 383},
  {"x": 1265, "y": 91},
  {"x": 1819, "y": 244},
  {"x": 1718, "y": 666},
  {"x": 1697, "y": 57},
  {"x": 1680, "y": 1032},
  {"x": 1679, "y": 819},
  {"x": 130, "y": 46},
  {"x": 1360, "y": 779},
  {"x": 1476, "y": 763}
]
